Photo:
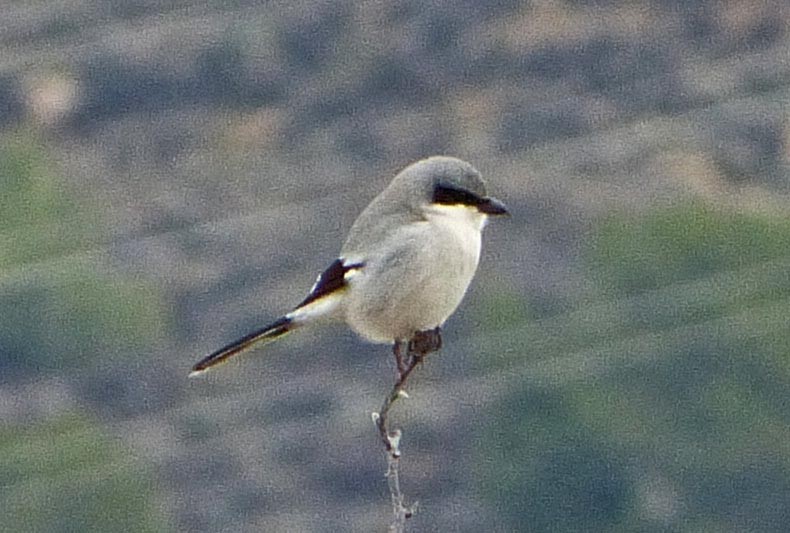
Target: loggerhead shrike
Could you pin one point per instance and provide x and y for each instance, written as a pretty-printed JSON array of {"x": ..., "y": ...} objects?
[{"x": 405, "y": 265}]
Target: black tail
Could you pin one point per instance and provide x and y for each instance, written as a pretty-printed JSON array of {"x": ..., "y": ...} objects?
[{"x": 269, "y": 333}]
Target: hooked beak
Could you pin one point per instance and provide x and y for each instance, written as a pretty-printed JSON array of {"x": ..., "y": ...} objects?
[{"x": 492, "y": 207}]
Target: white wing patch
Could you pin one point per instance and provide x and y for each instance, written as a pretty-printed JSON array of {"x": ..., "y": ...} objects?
[{"x": 316, "y": 309}]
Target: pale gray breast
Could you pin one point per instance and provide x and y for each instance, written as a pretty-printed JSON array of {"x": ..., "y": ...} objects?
[{"x": 412, "y": 281}]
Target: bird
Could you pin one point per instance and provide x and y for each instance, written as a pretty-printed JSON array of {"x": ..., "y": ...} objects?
[{"x": 405, "y": 266}]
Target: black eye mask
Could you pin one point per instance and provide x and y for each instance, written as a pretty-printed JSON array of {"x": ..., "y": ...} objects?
[{"x": 446, "y": 194}]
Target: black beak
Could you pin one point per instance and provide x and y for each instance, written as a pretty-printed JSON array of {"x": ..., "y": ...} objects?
[{"x": 492, "y": 206}]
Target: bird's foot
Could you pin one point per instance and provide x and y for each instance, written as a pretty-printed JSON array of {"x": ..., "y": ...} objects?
[
  {"x": 425, "y": 342},
  {"x": 420, "y": 345}
]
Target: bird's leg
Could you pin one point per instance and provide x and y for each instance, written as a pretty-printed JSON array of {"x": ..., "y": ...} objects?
[{"x": 396, "y": 350}]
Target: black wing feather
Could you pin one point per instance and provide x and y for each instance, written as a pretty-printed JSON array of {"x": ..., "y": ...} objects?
[{"x": 331, "y": 280}]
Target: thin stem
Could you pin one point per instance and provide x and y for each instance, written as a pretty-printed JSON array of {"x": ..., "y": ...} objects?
[
  {"x": 397, "y": 391},
  {"x": 391, "y": 439},
  {"x": 399, "y": 511},
  {"x": 420, "y": 345}
]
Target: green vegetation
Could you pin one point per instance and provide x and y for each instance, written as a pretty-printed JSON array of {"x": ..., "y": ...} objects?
[
  {"x": 67, "y": 312},
  {"x": 630, "y": 255},
  {"x": 672, "y": 408},
  {"x": 65, "y": 475},
  {"x": 39, "y": 220}
]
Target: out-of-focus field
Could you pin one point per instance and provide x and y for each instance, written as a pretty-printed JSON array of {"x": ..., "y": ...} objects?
[{"x": 173, "y": 175}]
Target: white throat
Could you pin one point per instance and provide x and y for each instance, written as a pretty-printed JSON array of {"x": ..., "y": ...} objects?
[
  {"x": 464, "y": 222},
  {"x": 462, "y": 215}
]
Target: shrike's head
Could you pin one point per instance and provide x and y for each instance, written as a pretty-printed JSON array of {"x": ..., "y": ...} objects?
[{"x": 442, "y": 184}]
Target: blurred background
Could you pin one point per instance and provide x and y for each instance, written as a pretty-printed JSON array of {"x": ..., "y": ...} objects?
[{"x": 175, "y": 174}]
